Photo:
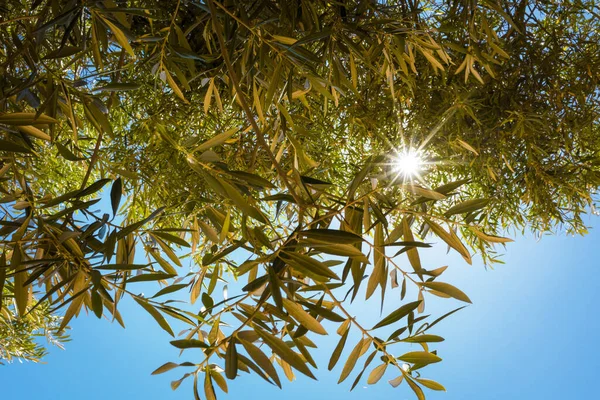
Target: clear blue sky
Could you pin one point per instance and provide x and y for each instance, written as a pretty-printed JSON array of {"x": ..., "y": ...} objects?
[{"x": 530, "y": 334}]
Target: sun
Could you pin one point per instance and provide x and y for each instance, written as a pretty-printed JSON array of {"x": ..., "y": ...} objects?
[{"x": 408, "y": 163}]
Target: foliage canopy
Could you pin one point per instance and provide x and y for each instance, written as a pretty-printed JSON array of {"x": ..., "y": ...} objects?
[{"x": 256, "y": 141}]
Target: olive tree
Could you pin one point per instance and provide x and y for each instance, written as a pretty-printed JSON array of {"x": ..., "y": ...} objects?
[{"x": 309, "y": 149}]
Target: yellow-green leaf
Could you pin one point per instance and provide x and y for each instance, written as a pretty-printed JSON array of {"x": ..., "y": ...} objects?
[
  {"x": 280, "y": 348},
  {"x": 119, "y": 35},
  {"x": 376, "y": 374},
  {"x": 304, "y": 318},
  {"x": 352, "y": 359},
  {"x": 216, "y": 140},
  {"x": 420, "y": 357},
  {"x": 398, "y": 314},
  {"x": 428, "y": 383},
  {"x": 447, "y": 289},
  {"x": 155, "y": 314},
  {"x": 25, "y": 118}
]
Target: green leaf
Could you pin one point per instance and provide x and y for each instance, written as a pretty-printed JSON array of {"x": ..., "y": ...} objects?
[
  {"x": 122, "y": 267},
  {"x": 489, "y": 238},
  {"x": 376, "y": 374},
  {"x": 467, "y": 206},
  {"x": 304, "y": 318},
  {"x": 337, "y": 352},
  {"x": 93, "y": 188},
  {"x": 443, "y": 317},
  {"x": 424, "y": 339},
  {"x": 231, "y": 360},
  {"x": 450, "y": 239},
  {"x": 427, "y": 193},
  {"x": 447, "y": 289},
  {"x": 133, "y": 227},
  {"x": 306, "y": 263},
  {"x": 11, "y": 147},
  {"x": 282, "y": 350},
  {"x": 262, "y": 360},
  {"x": 400, "y": 313},
  {"x": 25, "y": 118},
  {"x": 150, "y": 277},
  {"x": 171, "y": 238},
  {"x": 352, "y": 359},
  {"x": 428, "y": 383},
  {"x": 66, "y": 153},
  {"x": 164, "y": 368},
  {"x": 412, "y": 253},
  {"x": 217, "y": 140},
  {"x": 116, "y": 191},
  {"x": 379, "y": 274},
  {"x": 420, "y": 357},
  {"x": 331, "y": 236},
  {"x": 189, "y": 344},
  {"x": 118, "y": 87},
  {"x": 252, "y": 179},
  {"x": 323, "y": 312},
  {"x": 119, "y": 35},
  {"x": 170, "y": 289},
  {"x": 415, "y": 388},
  {"x": 61, "y": 52},
  {"x": 343, "y": 250},
  {"x": 155, "y": 314}
]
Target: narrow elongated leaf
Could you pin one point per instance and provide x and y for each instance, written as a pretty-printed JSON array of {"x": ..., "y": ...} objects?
[
  {"x": 344, "y": 250},
  {"x": 323, "y": 312},
  {"x": 25, "y": 118},
  {"x": 118, "y": 87},
  {"x": 427, "y": 193},
  {"x": 170, "y": 289},
  {"x": 189, "y": 344},
  {"x": 262, "y": 360},
  {"x": 447, "y": 289},
  {"x": 331, "y": 236},
  {"x": 490, "y": 238},
  {"x": 11, "y": 147},
  {"x": 443, "y": 317},
  {"x": 428, "y": 383},
  {"x": 171, "y": 238},
  {"x": 155, "y": 314},
  {"x": 150, "y": 277},
  {"x": 396, "y": 381},
  {"x": 280, "y": 348},
  {"x": 337, "y": 352},
  {"x": 420, "y": 357},
  {"x": 217, "y": 140},
  {"x": 415, "y": 388},
  {"x": 400, "y": 313},
  {"x": 352, "y": 359},
  {"x": 467, "y": 206},
  {"x": 412, "y": 253},
  {"x": 231, "y": 360},
  {"x": 424, "y": 339},
  {"x": 304, "y": 318},
  {"x": 93, "y": 188},
  {"x": 119, "y": 36},
  {"x": 121, "y": 267},
  {"x": 379, "y": 275},
  {"x": 450, "y": 239},
  {"x": 376, "y": 374},
  {"x": 309, "y": 263},
  {"x": 164, "y": 368},
  {"x": 116, "y": 191},
  {"x": 35, "y": 132}
]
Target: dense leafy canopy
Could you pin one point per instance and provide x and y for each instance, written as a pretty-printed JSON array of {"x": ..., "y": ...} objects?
[
  {"x": 19, "y": 336},
  {"x": 257, "y": 141}
]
